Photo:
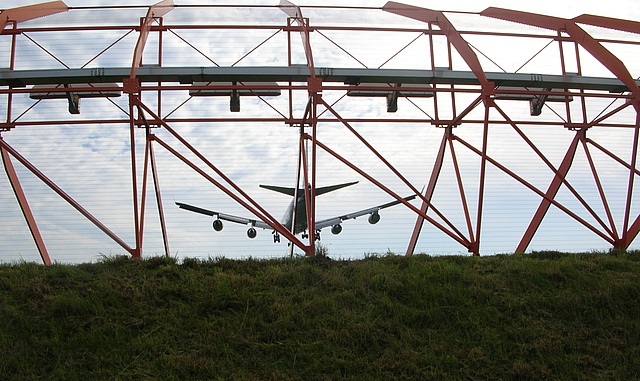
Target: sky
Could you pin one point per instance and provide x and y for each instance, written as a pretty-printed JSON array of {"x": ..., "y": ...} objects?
[{"x": 91, "y": 163}]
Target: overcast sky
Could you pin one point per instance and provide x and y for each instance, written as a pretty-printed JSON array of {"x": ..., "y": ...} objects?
[{"x": 92, "y": 163}]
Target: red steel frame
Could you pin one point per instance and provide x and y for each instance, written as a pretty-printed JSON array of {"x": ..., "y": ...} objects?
[{"x": 142, "y": 116}]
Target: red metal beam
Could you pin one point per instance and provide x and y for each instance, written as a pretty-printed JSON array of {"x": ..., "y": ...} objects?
[
  {"x": 428, "y": 194},
  {"x": 609, "y": 22},
  {"x": 389, "y": 165},
  {"x": 603, "y": 197},
  {"x": 436, "y": 17},
  {"x": 31, "y": 12},
  {"x": 475, "y": 248},
  {"x": 460, "y": 239},
  {"x": 251, "y": 205},
  {"x": 295, "y": 12},
  {"x": 577, "y": 34},
  {"x": 156, "y": 183},
  {"x": 266, "y": 218},
  {"x": 149, "y": 158},
  {"x": 65, "y": 196},
  {"x": 137, "y": 252},
  {"x": 634, "y": 159},
  {"x": 553, "y": 189},
  {"x": 463, "y": 197},
  {"x": 566, "y": 183},
  {"x": 535, "y": 190},
  {"x": 157, "y": 10},
  {"x": 24, "y": 204}
]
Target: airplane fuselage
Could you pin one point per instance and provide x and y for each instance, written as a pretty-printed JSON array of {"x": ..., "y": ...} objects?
[{"x": 300, "y": 215}]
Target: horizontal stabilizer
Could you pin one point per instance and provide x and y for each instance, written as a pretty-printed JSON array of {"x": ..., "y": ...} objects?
[{"x": 319, "y": 191}]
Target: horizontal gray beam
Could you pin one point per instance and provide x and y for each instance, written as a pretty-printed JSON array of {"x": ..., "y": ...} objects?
[{"x": 189, "y": 75}]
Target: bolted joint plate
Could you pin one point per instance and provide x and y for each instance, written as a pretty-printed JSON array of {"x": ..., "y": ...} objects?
[
  {"x": 315, "y": 85},
  {"x": 131, "y": 85}
]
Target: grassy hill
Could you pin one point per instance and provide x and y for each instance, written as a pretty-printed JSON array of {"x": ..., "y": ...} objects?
[{"x": 511, "y": 317}]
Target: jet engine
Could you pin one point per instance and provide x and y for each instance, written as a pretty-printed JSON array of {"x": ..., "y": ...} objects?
[
  {"x": 336, "y": 229},
  {"x": 251, "y": 233},
  {"x": 217, "y": 225},
  {"x": 374, "y": 218}
]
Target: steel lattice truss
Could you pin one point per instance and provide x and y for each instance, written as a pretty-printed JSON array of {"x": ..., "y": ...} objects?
[{"x": 570, "y": 84}]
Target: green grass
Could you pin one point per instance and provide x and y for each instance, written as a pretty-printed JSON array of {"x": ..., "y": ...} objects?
[{"x": 508, "y": 317}]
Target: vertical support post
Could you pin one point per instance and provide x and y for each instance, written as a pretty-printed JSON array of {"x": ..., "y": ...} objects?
[
  {"x": 432, "y": 53},
  {"x": 634, "y": 160},
  {"x": 137, "y": 251},
  {"x": 563, "y": 67},
  {"x": 307, "y": 193},
  {"x": 475, "y": 244},
  {"x": 454, "y": 110},
  {"x": 603, "y": 197},
  {"x": 289, "y": 62},
  {"x": 310, "y": 179},
  {"x": 583, "y": 100},
  {"x": 145, "y": 178},
  {"x": 160, "y": 34},
  {"x": 12, "y": 65},
  {"x": 314, "y": 160},
  {"x": 149, "y": 156},
  {"x": 296, "y": 196},
  {"x": 24, "y": 204},
  {"x": 431, "y": 187},
  {"x": 553, "y": 189},
  {"x": 463, "y": 197},
  {"x": 156, "y": 183}
]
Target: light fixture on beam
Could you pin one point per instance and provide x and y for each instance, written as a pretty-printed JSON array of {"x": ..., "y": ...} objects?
[
  {"x": 537, "y": 97},
  {"x": 77, "y": 91},
  {"x": 219, "y": 89},
  {"x": 408, "y": 91}
]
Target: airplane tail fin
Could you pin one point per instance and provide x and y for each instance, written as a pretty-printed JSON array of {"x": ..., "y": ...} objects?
[{"x": 319, "y": 191}]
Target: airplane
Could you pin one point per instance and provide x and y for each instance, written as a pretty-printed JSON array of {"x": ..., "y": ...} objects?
[{"x": 300, "y": 214}]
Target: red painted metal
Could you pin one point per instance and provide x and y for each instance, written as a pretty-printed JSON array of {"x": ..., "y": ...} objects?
[
  {"x": 428, "y": 193},
  {"x": 550, "y": 194},
  {"x": 156, "y": 183},
  {"x": 295, "y": 13},
  {"x": 434, "y": 178},
  {"x": 315, "y": 94},
  {"x": 548, "y": 163},
  {"x": 24, "y": 204},
  {"x": 536, "y": 191},
  {"x": 456, "y": 39},
  {"x": 388, "y": 164},
  {"x": 6, "y": 147},
  {"x": 463, "y": 241},
  {"x": 475, "y": 244},
  {"x": 578, "y": 35},
  {"x": 155, "y": 11},
  {"x": 137, "y": 251},
  {"x": 149, "y": 160},
  {"x": 609, "y": 22},
  {"x": 250, "y": 204},
  {"x": 267, "y": 218},
  {"x": 463, "y": 197},
  {"x": 632, "y": 177},
  {"x": 31, "y": 12},
  {"x": 603, "y": 197}
]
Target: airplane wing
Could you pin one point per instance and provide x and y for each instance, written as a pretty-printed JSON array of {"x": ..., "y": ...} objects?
[
  {"x": 374, "y": 217},
  {"x": 225, "y": 217}
]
